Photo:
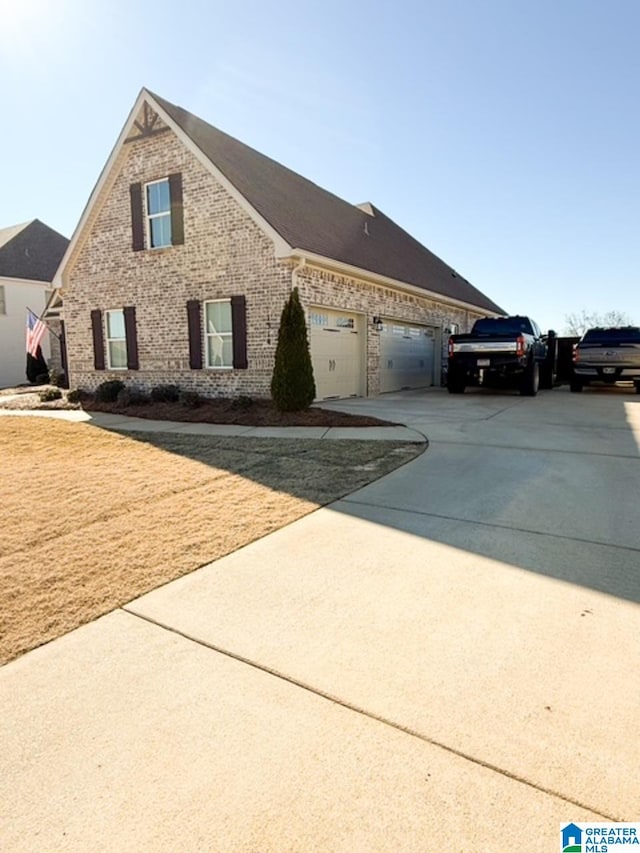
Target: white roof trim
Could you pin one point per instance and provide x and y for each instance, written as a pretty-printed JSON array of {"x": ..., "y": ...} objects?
[
  {"x": 376, "y": 278},
  {"x": 282, "y": 248},
  {"x": 31, "y": 282}
]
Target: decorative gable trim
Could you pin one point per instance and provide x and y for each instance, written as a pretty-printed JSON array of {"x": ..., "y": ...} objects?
[{"x": 147, "y": 127}]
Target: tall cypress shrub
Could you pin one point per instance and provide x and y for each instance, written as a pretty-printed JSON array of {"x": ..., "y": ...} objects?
[{"x": 292, "y": 385}]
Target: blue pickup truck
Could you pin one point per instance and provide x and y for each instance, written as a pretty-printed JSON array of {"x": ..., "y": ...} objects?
[{"x": 502, "y": 352}]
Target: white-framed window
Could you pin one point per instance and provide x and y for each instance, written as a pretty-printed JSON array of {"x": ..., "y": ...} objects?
[
  {"x": 158, "y": 213},
  {"x": 218, "y": 333},
  {"x": 116, "y": 340},
  {"x": 3, "y": 304}
]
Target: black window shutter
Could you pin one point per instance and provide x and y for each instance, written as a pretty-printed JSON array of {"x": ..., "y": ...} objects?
[
  {"x": 132, "y": 336},
  {"x": 239, "y": 326},
  {"x": 98, "y": 339},
  {"x": 137, "y": 223},
  {"x": 177, "y": 212},
  {"x": 195, "y": 334}
]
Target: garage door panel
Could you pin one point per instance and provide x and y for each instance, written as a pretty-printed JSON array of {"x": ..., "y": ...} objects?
[
  {"x": 336, "y": 353},
  {"x": 407, "y": 356}
]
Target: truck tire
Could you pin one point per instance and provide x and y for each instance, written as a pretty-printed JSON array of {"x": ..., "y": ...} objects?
[
  {"x": 455, "y": 384},
  {"x": 530, "y": 380},
  {"x": 575, "y": 386},
  {"x": 546, "y": 377},
  {"x": 637, "y": 387}
]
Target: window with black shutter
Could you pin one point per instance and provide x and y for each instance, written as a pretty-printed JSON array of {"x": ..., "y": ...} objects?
[
  {"x": 239, "y": 324},
  {"x": 98, "y": 339},
  {"x": 137, "y": 217},
  {"x": 195, "y": 334},
  {"x": 131, "y": 335},
  {"x": 157, "y": 213}
]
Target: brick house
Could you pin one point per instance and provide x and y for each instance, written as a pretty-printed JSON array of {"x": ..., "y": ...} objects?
[
  {"x": 190, "y": 244},
  {"x": 30, "y": 254}
]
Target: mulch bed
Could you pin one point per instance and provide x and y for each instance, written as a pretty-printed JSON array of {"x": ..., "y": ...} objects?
[{"x": 224, "y": 411}]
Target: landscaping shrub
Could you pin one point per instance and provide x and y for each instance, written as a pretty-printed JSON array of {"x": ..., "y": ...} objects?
[
  {"x": 57, "y": 378},
  {"x": 50, "y": 394},
  {"x": 165, "y": 394},
  {"x": 190, "y": 399},
  {"x": 292, "y": 386},
  {"x": 75, "y": 395},
  {"x": 132, "y": 397},
  {"x": 37, "y": 370},
  {"x": 242, "y": 402},
  {"x": 107, "y": 392}
]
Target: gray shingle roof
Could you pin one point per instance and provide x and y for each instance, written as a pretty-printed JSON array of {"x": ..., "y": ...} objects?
[
  {"x": 310, "y": 218},
  {"x": 31, "y": 250}
]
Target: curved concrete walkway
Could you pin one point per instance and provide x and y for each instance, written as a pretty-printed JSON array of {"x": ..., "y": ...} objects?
[{"x": 127, "y": 424}]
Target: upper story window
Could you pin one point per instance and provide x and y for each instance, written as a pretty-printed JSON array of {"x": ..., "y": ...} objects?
[
  {"x": 3, "y": 304},
  {"x": 116, "y": 340},
  {"x": 157, "y": 215},
  {"x": 218, "y": 329},
  {"x": 158, "y": 204}
]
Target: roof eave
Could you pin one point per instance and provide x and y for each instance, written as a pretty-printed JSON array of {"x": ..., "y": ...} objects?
[
  {"x": 333, "y": 265},
  {"x": 16, "y": 279}
]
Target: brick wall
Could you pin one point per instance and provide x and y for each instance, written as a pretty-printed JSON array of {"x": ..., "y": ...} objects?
[
  {"x": 332, "y": 290},
  {"x": 224, "y": 254}
]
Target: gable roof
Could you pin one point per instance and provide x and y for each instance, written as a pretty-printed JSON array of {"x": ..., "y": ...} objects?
[
  {"x": 31, "y": 251},
  {"x": 310, "y": 218}
]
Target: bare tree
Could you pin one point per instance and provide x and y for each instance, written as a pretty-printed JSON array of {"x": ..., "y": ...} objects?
[{"x": 576, "y": 325}]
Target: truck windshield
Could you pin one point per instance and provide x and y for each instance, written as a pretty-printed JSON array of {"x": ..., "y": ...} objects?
[
  {"x": 628, "y": 335},
  {"x": 502, "y": 326}
]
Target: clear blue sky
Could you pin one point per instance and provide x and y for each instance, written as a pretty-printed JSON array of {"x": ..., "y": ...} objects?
[{"x": 504, "y": 135}]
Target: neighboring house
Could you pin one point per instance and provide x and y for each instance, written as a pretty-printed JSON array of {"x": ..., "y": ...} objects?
[
  {"x": 190, "y": 244},
  {"x": 30, "y": 254}
]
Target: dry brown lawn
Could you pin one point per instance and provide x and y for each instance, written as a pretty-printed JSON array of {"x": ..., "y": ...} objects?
[{"x": 93, "y": 519}]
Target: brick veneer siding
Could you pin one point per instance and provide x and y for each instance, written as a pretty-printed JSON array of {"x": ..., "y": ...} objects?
[
  {"x": 332, "y": 290},
  {"x": 224, "y": 254}
]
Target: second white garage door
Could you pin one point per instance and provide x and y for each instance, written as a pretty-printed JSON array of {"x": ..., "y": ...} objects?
[
  {"x": 407, "y": 355},
  {"x": 336, "y": 343}
]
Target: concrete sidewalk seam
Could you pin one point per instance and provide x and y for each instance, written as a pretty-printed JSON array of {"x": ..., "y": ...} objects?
[
  {"x": 507, "y": 527},
  {"x": 368, "y": 714},
  {"x": 635, "y": 457}
]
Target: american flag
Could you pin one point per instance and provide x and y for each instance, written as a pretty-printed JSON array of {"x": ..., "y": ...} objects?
[{"x": 35, "y": 332}]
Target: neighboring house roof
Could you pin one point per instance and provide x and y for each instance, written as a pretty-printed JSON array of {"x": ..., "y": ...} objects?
[
  {"x": 310, "y": 218},
  {"x": 31, "y": 250}
]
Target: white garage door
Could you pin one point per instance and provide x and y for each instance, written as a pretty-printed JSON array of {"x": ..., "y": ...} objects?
[
  {"x": 407, "y": 355},
  {"x": 336, "y": 352}
]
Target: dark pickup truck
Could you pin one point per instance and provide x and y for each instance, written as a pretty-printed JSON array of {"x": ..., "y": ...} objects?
[
  {"x": 499, "y": 352},
  {"x": 607, "y": 356}
]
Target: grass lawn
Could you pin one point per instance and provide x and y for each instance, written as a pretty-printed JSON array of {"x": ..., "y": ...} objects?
[{"x": 93, "y": 519}]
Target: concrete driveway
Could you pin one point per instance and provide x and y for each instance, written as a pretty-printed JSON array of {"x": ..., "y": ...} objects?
[{"x": 448, "y": 659}]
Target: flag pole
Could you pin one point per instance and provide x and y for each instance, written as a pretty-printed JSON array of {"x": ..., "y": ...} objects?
[{"x": 49, "y": 329}]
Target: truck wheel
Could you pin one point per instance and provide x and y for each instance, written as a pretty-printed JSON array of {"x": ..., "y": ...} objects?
[
  {"x": 455, "y": 384},
  {"x": 546, "y": 378},
  {"x": 575, "y": 386},
  {"x": 530, "y": 380}
]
